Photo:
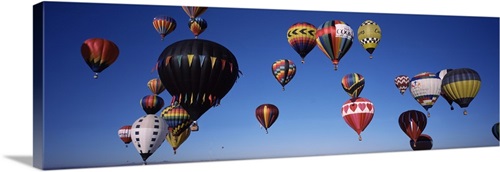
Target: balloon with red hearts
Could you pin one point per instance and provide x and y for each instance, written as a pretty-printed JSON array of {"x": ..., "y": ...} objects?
[{"x": 358, "y": 113}]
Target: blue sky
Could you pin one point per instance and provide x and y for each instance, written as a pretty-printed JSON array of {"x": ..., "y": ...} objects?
[{"x": 83, "y": 114}]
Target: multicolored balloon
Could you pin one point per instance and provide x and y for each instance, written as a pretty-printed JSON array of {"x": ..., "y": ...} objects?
[
  {"x": 164, "y": 25},
  {"x": 402, "y": 82},
  {"x": 441, "y": 75},
  {"x": 462, "y": 86},
  {"x": 302, "y": 37},
  {"x": 176, "y": 141},
  {"x": 151, "y": 104},
  {"x": 155, "y": 86},
  {"x": 424, "y": 142},
  {"x": 99, "y": 54},
  {"x": 267, "y": 114},
  {"x": 284, "y": 70},
  {"x": 334, "y": 38},
  {"x": 353, "y": 84},
  {"x": 369, "y": 35},
  {"x": 426, "y": 89},
  {"x": 197, "y": 26},
  {"x": 358, "y": 113},
  {"x": 193, "y": 11},
  {"x": 413, "y": 123},
  {"x": 124, "y": 134},
  {"x": 177, "y": 119},
  {"x": 197, "y": 74}
]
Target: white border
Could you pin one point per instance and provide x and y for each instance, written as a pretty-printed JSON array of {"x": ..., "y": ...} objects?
[{"x": 16, "y": 93}]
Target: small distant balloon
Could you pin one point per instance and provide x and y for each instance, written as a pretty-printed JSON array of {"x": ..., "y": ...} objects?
[
  {"x": 164, "y": 25},
  {"x": 284, "y": 70}
]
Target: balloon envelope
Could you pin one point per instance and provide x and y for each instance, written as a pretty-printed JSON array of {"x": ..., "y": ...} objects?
[
  {"x": 155, "y": 86},
  {"x": 164, "y": 25},
  {"x": 176, "y": 141},
  {"x": 267, "y": 114},
  {"x": 284, "y": 70},
  {"x": 353, "y": 84},
  {"x": 495, "y": 129},
  {"x": 441, "y": 75},
  {"x": 369, "y": 35},
  {"x": 358, "y": 113},
  {"x": 334, "y": 38},
  {"x": 413, "y": 123},
  {"x": 197, "y": 74},
  {"x": 151, "y": 104},
  {"x": 193, "y": 11},
  {"x": 124, "y": 134},
  {"x": 197, "y": 26},
  {"x": 462, "y": 86},
  {"x": 402, "y": 82},
  {"x": 148, "y": 133},
  {"x": 426, "y": 89},
  {"x": 424, "y": 142},
  {"x": 177, "y": 118},
  {"x": 302, "y": 37},
  {"x": 99, "y": 54}
]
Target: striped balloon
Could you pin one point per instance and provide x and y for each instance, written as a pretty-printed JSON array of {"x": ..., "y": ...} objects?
[
  {"x": 267, "y": 114},
  {"x": 402, "y": 82},
  {"x": 177, "y": 119},
  {"x": 284, "y": 71},
  {"x": 426, "y": 89},
  {"x": 152, "y": 104},
  {"x": 302, "y": 37},
  {"x": 462, "y": 86},
  {"x": 124, "y": 134},
  {"x": 495, "y": 129},
  {"x": 358, "y": 113},
  {"x": 194, "y": 11},
  {"x": 413, "y": 123},
  {"x": 164, "y": 25},
  {"x": 353, "y": 84},
  {"x": 334, "y": 39},
  {"x": 197, "y": 26},
  {"x": 156, "y": 86}
]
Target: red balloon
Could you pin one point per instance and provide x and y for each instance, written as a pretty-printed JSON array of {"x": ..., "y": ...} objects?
[
  {"x": 358, "y": 113},
  {"x": 124, "y": 134},
  {"x": 99, "y": 54},
  {"x": 413, "y": 123}
]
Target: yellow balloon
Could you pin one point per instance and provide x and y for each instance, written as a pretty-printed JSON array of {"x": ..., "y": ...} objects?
[
  {"x": 176, "y": 141},
  {"x": 369, "y": 35}
]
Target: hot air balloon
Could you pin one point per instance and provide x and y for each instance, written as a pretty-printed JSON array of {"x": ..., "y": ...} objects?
[
  {"x": 402, "y": 82},
  {"x": 124, "y": 134},
  {"x": 425, "y": 88},
  {"x": 99, "y": 54},
  {"x": 369, "y": 35},
  {"x": 353, "y": 84},
  {"x": 267, "y": 114},
  {"x": 358, "y": 113},
  {"x": 284, "y": 71},
  {"x": 197, "y": 26},
  {"x": 302, "y": 37},
  {"x": 148, "y": 133},
  {"x": 156, "y": 86},
  {"x": 193, "y": 11},
  {"x": 334, "y": 38},
  {"x": 164, "y": 25},
  {"x": 151, "y": 104},
  {"x": 462, "y": 86},
  {"x": 413, "y": 123},
  {"x": 424, "y": 142},
  {"x": 177, "y": 119},
  {"x": 495, "y": 130},
  {"x": 197, "y": 73},
  {"x": 441, "y": 75},
  {"x": 176, "y": 141}
]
